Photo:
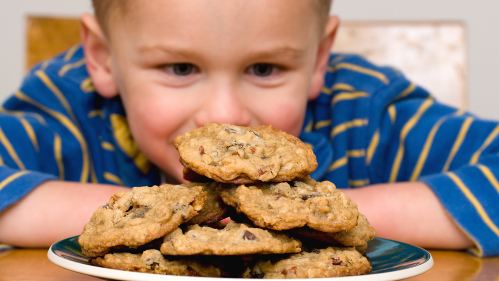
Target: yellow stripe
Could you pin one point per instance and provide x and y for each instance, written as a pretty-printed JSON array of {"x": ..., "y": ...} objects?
[
  {"x": 459, "y": 141},
  {"x": 348, "y": 96},
  {"x": 96, "y": 112},
  {"x": 24, "y": 114},
  {"x": 338, "y": 163},
  {"x": 342, "y": 87},
  {"x": 405, "y": 131},
  {"x": 348, "y": 125},
  {"x": 487, "y": 142},
  {"x": 11, "y": 178},
  {"x": 326, "y": 90},
  {"x": 113, "y": 178},
  {"x": 360, "y": 69},
  {"x": 372, "y": 147},
  {"x": 478, "y": 207},
  {"x": 490, "y": 176},
  {"x": 70, "y": 66},
  {"x": 30, "y": 131},
  {"x": 356, "y": 183},
  {"x": 309, "y": 127},
  {"x": 87, "y": 85},
  {"x": 10, "y": 149},
  {"x": 322, "y": 124},
  {"x": 393, "y": 113},
  {"x": 337, "y": 87},
  {"x": 337, "y": 59},
  {"x": 426, "y": 148},
  {"x": 1, "y": 160},
  {"x": 45, "y": 64},
  {"x": 58, "y": 156},
  {"x": 356, "y": 153},
  {"x": 70, "y": 53},
  {"x": 107, "y": 146},
  {"x": 407, "y": 91},
  {"x": 46, "y": 80},
  {"x": 67, "y": 123}
]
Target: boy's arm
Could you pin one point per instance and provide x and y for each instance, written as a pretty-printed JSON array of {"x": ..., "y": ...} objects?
[
  {"x": 409, "y": 212},
  {"x": 53, "y": 211}
]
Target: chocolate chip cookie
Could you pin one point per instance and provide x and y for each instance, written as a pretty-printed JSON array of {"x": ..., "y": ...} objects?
[
  {"x": 136, "y": 217},
  {"x": 234, "y": 239},
  {"x": 287, "y": 205},
  {"x": 241, "y": 155},
  {"x": 358, "y": 236},
  {"x": 152, "y": 261},
  {"x": 214, "y": 208},
  {"x": 330, "y": 262}
]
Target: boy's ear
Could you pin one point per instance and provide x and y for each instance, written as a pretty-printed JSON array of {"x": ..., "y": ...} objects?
[
  {"x": 97, "y": 56},
  {"x": 322, "y": 60}
]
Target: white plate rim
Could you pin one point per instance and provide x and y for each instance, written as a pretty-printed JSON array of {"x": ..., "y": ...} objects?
[{"x": 115, "y": 274}]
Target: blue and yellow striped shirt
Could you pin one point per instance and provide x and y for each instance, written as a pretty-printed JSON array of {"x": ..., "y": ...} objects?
[{"x": 369, "y": 125}]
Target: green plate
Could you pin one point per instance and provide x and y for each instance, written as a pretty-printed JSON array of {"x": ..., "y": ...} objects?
[{"x": 390, "y": 260}]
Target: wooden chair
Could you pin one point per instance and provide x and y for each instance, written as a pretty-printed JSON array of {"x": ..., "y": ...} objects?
[{"x": 432, "y": 54}]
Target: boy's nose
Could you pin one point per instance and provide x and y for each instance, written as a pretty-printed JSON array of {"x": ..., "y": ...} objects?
[{"x": 223, "y": 106}]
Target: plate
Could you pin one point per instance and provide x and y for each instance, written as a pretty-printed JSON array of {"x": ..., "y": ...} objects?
[{"x": 390, "y": 260}]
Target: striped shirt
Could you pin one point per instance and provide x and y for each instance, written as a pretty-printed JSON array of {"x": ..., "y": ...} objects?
[{"x": 369, "y": 125}]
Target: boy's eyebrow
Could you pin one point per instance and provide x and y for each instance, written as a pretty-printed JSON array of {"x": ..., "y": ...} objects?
[{"x": 285, "y": 51}]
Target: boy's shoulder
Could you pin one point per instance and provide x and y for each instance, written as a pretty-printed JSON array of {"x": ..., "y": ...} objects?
[{"x": 359, "y": 73}]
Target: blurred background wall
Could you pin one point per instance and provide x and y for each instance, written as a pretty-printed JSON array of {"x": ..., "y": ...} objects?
[{"x": 481, "y": 21}]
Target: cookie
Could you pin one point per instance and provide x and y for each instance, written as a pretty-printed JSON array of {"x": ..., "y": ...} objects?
[
  {"x": 214, "y": 208},
  {"x": 358, "y": 236},
  {"x": 330, "y": 262},
  {"x": 242, "y": 155},
  {"x": 152, "y": 261},
  {"x": 287, "y": 205},
  {"x": 234, "y": 239},
  {"x": 136, "y": 217}
]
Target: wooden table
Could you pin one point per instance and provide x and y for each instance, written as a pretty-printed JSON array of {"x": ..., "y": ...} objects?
[{"x": 33, "y": 264}]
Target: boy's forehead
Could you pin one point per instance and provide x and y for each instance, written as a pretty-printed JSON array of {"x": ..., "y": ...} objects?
[{"x": 226, "y": 18}]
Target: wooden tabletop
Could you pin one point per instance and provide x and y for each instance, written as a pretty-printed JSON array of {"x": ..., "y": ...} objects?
[{"x": 33, "y": 264}]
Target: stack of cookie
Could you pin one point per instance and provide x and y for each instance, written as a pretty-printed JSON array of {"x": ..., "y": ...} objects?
[{"x": 285, "y": 224}]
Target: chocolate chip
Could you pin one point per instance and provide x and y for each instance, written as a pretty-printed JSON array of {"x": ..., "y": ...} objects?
[
  {"x": 308, "y": 196},
  {"x": 201, "y": 150},
  {"x": 192, "y": 272},
  {"x": 289, "y": 270},
  {"x": 259, "y": 275},
  {"x": 261, "y": 171},
  {"x": 249, "y": 236},
  {"x": 140, "y": 213},
  {"x": 336, "y": 261},
  {"x": 153, "y": 265},
  {"x": 256, "y": 134}
]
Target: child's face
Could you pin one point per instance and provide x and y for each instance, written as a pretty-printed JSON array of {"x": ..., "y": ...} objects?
[{"x": 180, "y": 64}]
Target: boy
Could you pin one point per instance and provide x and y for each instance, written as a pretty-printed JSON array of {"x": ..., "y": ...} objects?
[{"x": 172, "y": 66}]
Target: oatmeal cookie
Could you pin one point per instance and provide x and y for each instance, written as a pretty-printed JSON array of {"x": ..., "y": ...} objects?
[
  {"x": 214, "y": 208},
  {"x": 234, "y": 239},
  {"x": 241, "y": 155},
  {"x": 287, "y": 205},
  {"x": 152, "y": 261},
  {"x": 358, "y": 236},
  {"x": 330, "y": 262},
  {"x": 139, "y": 216}
]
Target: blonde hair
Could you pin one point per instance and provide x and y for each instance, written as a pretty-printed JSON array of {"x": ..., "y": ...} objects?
[{"x": 106, "y": 11}]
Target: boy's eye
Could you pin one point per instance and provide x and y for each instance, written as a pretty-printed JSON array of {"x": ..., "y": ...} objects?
[
  {"x": 262, "y": 69},
  {"x": 180, "y": 69}
]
